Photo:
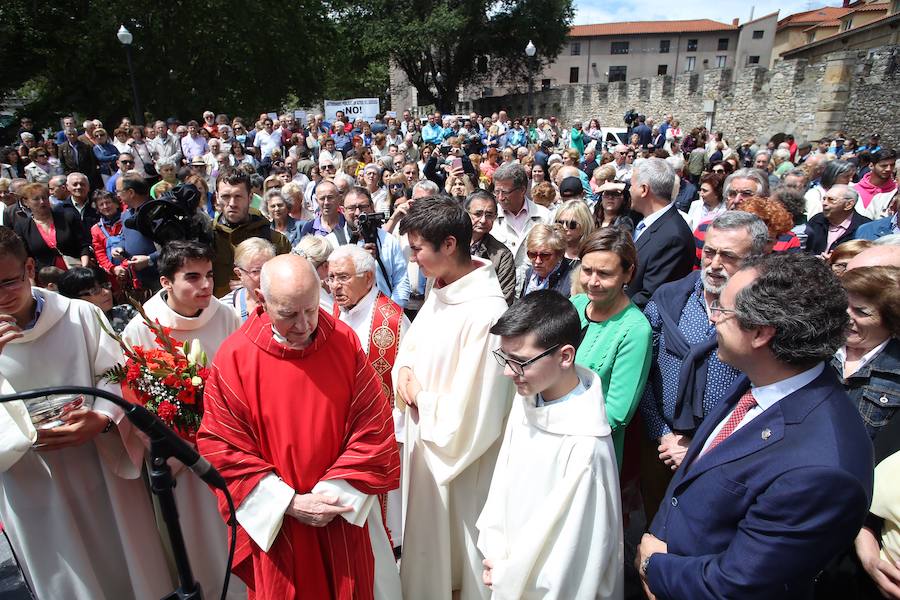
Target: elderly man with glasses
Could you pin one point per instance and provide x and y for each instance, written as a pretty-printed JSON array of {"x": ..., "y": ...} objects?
[{"x": 483, "y": 210}]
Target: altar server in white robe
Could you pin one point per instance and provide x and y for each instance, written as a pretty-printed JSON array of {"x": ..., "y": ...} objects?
[
  {"x": 76, "y": 512},
  {"x": 552, "y": 524},
  {"x": 187, "y": 306},
  {"x": 457, "y": 402}
]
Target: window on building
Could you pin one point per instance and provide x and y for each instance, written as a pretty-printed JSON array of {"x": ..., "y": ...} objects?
[
  {"x": 575, "y": 48},
  {"x": 895, "y": 7},
  {"x": 545, "y": 84},
  {"x": 691, "y": 63},
  {"x": 692, "y": 46},
  {"x": 811, "y": 37},
  {"x": 573, "y": 75},
  {"x": 618, "y": 74},
  {"x": 618, "y": 48},
  {"x": 721, "y": 61},
  {"x": 665, "y": 44},
  {"x": 662, "y": 69},
  {"x": 723, "y": 44},
  {"x": 752, "y": 60},
  {"x": 758, "y": 34},
  {"x": 847, "y": 24}
]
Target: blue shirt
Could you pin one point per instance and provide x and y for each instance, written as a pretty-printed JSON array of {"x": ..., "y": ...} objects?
[
  {"x": 432, "y": 134},
  {"x": 135, "y": 243},
  {"x": 658, "y": 402}
]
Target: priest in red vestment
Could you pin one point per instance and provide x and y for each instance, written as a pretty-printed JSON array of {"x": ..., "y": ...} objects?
[{"x": 296, "y": 423}]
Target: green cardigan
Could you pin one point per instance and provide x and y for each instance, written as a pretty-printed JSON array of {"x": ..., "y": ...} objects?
[{"x": 619, "y": 350}]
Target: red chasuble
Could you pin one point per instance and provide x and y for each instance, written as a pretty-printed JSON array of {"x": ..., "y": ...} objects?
[{"x": 306, "y": 415}]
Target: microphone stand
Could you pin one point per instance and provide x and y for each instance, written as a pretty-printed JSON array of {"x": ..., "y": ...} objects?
[{"x": 161, "y": 483}]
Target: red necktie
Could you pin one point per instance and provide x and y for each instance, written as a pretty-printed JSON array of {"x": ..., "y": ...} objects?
[{"x": 746, "y": 402}]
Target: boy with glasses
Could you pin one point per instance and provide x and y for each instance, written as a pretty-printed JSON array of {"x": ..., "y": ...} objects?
[{"x": 553, "y": 517}]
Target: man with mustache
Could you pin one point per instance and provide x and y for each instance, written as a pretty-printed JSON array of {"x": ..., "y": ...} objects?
[{"x": 687, "y": 380}]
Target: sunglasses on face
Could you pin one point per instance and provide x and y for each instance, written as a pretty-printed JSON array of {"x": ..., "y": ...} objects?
[
  {"x": 572, "y": 225},
  {"x": 544, "y": 256}
]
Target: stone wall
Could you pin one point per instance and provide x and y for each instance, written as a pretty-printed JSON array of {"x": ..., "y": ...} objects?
[{"x": 849, "y": 91}]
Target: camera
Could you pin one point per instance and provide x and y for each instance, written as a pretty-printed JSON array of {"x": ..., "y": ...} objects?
[
  {"x": 368, "y": 224},
  {"x": 630, "y": 117},
  {"x": 172, "y": 216}
]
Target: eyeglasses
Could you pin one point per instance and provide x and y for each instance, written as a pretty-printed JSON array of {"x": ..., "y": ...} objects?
[
  {"x": 127, "y": 162},
  {"x": 612, "y": 194},
  {"x": 341, "y": 278},
  {"x": 254, "y": 273},
  {"x": 715, "y": 309},
  {"x": 328, "y": 167},
  {"x": 544, "y": 256},
  {"x": 483, "y": 214},
  {"x": 503, "y": 193},
  {"x": 517, "y": 366},
  {"x": 396, "y": 186},
  {"x": 9, "y": 284},
  {"x": 725, "y": 255},
  {"x": 95, "y": 291},
  {"x": 744, "y": 193},
  {"x": 355, "y": 208},
  {"x": 573, "y": 225}
]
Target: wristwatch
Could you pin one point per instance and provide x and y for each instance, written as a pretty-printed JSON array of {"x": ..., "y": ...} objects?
[{"x": 644, "y": 564}]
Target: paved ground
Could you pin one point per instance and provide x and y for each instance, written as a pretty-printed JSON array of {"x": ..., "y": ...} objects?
[{"x": 12, "y": 587}]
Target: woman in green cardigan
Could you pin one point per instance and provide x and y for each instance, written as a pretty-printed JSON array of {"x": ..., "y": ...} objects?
[{"x": 616, "y": 338}]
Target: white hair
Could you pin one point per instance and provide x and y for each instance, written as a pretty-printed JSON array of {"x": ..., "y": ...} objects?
[
  {"x": 888, "y": 240},
  {"x": 362, "y": 260},
  {"x": 427, "y": 186},
  {"x": 676, "y": 161}
]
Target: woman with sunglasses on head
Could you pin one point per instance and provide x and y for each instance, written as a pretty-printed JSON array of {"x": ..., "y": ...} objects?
[
  {"x": 90, "y": 285},
  {"x": 616, "y": 338},
  {"x": 39, "y": 170},
  {"x": 546, "y": 250},
  {"x": 614, "y": 206},
  {"x": 577, "y": 223}
]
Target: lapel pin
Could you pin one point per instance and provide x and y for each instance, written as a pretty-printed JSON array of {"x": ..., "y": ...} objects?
[{"x": 766, "y": 433}]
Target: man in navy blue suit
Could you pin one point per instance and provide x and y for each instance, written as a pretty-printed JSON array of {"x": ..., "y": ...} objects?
[{"x": 778, "y": 479}]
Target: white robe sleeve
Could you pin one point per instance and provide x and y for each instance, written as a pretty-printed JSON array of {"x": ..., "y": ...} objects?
[
  {"x": 458, "y": 425},
  {"x": 262, "y": 511},
  {"x": 348, "y": 496},
  {"x": 571, "y": 549},
  {"x": 17, "y": 433}
]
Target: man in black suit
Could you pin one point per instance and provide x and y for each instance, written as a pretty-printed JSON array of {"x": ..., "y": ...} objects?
[
  {"x": 80, "y": 201},
  {"x": 663, "y": 239},
  {"x": 643, "y": 131},
  {"x": 838, "y": 221},
  {"x": 77, "y": 157}
]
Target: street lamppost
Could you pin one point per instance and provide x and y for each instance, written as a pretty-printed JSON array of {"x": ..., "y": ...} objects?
[
  {"x": 530, "y": 51},
  {"x": 126, "y": 38}
]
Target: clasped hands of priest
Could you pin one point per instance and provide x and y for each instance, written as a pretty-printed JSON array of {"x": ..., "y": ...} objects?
[
  {"x": 81, "y": 425},
  {"x": 316, "y": 510}
]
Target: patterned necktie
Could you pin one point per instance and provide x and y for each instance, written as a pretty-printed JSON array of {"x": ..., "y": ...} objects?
[
  {"x": 637, "y": 230},
  {"x": 746, "y": 402}
]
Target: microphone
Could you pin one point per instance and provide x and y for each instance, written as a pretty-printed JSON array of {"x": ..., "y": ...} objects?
[
  {"x": 155, "y": 429},
  {"x": 144, "y": 420}
]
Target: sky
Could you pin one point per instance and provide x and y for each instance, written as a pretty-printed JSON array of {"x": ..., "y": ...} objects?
[{"x": 605, "y": 11}]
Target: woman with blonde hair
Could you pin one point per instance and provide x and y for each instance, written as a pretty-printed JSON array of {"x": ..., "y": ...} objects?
[
  {"x": 316, "y": 249},
  {"x": 249, "y": 257},
  {"x": 546, "y": 250},
  {"x": 577, "y": 223},
  {"x": 842, "y": 254},
  {"x": 602, "y": 174}
]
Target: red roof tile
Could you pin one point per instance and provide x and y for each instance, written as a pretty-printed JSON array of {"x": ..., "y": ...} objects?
[
  {"x": 872, "y": 7},
  {"x": 645, "y": 27},
  {"x": 810, "y": 17}
]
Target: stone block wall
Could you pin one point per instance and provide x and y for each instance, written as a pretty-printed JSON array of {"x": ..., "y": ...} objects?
[{"x": 851, "y": 91}]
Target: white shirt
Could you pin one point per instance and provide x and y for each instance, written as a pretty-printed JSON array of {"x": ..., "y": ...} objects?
[
  {"x": 841, "y": 355},
  {"x": 766, "y": 396},
  {"x": 650, "y": 220}
]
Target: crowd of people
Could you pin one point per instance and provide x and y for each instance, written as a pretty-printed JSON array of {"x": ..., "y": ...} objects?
[{"x": 461, "y": 356}]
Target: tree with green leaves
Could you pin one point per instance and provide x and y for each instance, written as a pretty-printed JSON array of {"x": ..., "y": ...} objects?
[{"x": 445, "y": 45}]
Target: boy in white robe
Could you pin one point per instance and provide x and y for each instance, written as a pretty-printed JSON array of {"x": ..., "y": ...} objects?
[
  {"x": 456, "y": 400},
  {"x": 76, "y": 512},
  {"x": 187, "y": 306},
  {"x": 552, "y": 524}
]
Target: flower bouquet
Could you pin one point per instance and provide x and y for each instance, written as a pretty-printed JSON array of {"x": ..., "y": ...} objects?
[{"x": 167, "y": 380}]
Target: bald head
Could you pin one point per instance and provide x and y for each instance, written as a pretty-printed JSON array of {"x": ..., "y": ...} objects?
[
  {"x": 286, "y": 275},
  {"x": 289, "y": 293},
  {"x": 876, "y": 256}
]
